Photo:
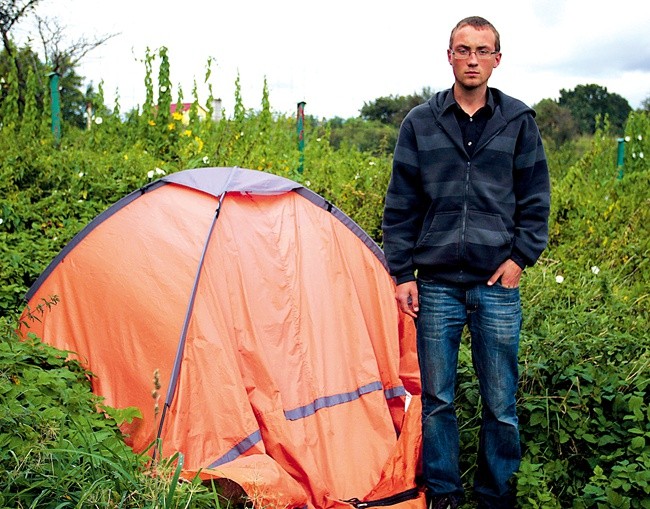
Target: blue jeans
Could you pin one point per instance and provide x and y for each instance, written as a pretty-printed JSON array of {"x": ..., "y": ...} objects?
[{"x": 493, "y": 316}]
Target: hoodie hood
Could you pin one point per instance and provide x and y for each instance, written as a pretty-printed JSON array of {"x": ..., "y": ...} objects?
[{"x": 508, "y": 107}]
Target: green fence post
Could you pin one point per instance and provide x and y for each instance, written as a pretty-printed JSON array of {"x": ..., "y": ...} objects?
[
  {"x": 620, "y": 157},
  {"x": 301, "y": 134},
  {"x": 55, "y": 96}
]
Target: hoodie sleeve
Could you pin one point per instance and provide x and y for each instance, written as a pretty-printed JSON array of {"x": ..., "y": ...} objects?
[
  {"x": 402, "y": 210},
  {"x": 532, "y": 193}
]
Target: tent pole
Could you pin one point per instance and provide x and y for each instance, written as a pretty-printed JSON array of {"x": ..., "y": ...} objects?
[{"x": 171, "y": 390}]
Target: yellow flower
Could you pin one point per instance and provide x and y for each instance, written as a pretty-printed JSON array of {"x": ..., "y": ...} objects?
[
  {"x": 177, "y": 115},
  {"x": 126, "y": 157},
  {"x": 171, "y": 126},
  {"x": 187, "y": 132},
  {"x": 151, "y": 122}
]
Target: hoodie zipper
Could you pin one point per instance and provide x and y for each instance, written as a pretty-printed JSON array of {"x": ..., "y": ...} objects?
[{"x": 463, "y": 230}]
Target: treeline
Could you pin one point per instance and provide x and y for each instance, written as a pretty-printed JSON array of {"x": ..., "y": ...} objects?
[{"x": 575, "y": 114}]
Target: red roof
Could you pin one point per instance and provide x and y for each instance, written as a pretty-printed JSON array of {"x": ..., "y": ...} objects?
[{"x": 184, "y": 107}]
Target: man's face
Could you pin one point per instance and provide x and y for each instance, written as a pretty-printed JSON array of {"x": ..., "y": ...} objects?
[{"x": 472, "y": 72}]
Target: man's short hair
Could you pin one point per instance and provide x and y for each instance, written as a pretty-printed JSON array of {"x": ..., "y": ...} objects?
[{"x": 476, "y": 22}]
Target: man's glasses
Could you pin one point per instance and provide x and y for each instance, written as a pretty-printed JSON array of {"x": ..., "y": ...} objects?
[{"x": 464, "y": 53}]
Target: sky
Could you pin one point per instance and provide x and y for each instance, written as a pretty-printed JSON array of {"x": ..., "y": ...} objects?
[{"x": 337, "y": 55}]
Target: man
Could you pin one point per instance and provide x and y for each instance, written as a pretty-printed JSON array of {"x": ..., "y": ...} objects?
[{"x": 466, "y": 211}]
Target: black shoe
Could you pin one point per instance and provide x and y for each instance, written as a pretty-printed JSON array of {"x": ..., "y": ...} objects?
[{"x": 443, "y": 502}]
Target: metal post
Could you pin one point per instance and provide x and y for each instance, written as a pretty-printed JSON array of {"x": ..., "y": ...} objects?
[
  {"x": 301, "y": 134},
  {"x": 620, "y": 157},
  {"x": 55, "y": 95}
]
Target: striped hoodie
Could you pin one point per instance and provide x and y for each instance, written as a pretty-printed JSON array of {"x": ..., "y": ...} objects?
[{"x": 454, "y": 218}]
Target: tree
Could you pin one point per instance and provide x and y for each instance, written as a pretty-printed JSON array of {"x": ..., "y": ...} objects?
[
  {"x": 391, "y": 110},
  {"x": 555, "y": 122},
  {"x": 17, "y": 94},
  {"x": 74, "y": 96},
  {"x": 587, "y": 102},
  {"x": 11, "y": 12},
  {"x": 58, "y": 55},
  {"x": 363, "y": 135},
  {"x": 63, "y": 56}
]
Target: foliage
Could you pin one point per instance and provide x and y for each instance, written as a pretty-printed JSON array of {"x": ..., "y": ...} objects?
[
  {"x": 584, "y": 402},
  {"x": 589, "y": 102},
  {"x": 369, "y": 136},
  {"x": 391, "y": 110},
  {"x": 73, "y": 97},
  {"x": 11, "y": 13},
  {"x": 556, "y": 123},
  {"x": 585, "y": 395},
  {"x": 58, "y": 450}
]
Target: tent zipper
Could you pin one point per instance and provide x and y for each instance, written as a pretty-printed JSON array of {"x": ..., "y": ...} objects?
[{"x": 381, "y": 502}]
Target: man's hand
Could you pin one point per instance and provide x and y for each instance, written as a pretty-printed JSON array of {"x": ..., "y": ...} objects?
[
  {"x": 406, "y": 296},
  {"x": 509, "y": 273}
]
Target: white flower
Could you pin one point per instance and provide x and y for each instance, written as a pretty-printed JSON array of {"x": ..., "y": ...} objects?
[
  {"x": 206, "y": 159},
  {"x": 641, "y": 155},
  {"x": 150, "y": 174},
  {"x": 1, "y": 220},
  {"x": 163, "y": 88},
  {"x": 559, "y": 279},
  {"x": 99, "y": 120},
  {"x": 639, "y": 137},
  {"x": 307, "y": 183},
  {"x": 627, "y": 138},
  {"x": 81, "y": 174},
  {"x": 357, "y": 177},
  {"x": 595, "y": 269},
  {"x": 159, "y": 171},
  {"x": 633, "y": 155},
  {"x": 371, "y": 163},
  {"x": 317, "y": 139}
]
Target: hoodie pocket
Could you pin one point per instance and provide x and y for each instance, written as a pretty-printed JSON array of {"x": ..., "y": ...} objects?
[
  {"x": 487, "y": 242},
  {"x": 440, "y": 244}
]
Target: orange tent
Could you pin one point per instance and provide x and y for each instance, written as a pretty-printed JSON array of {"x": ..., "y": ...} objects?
[{"x": 269, "y": 321}]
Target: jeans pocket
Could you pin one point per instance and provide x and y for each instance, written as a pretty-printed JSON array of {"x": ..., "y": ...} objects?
[{"x": 506, "y": 288}]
